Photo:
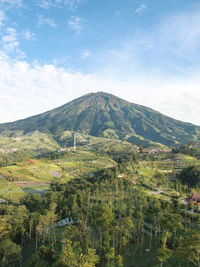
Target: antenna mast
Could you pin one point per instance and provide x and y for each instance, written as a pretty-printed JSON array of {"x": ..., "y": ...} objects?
[{"x": 74, "y": 141}]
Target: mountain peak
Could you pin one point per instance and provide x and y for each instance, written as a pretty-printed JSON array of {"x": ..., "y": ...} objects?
[
  {"x": 104, "y": 115},
  {"x": 100, "y": 98}
]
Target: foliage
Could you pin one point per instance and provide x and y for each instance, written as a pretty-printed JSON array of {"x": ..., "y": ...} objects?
[
  {"x": 72, "y": 256},
  {"x": 189, "y": 149},
  {"x": 47, "y": 254},
  {"x": 110, "y": 221},
  {"x": 9, "y": 252},
  {"x": 189, "y": 247},
  {"x": 190, "y": 176},
  {"x": 163, "y": 254}
]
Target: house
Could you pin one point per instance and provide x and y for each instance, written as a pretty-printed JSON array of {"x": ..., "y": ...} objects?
[
  {"x": 64, "y": 222},
  {"x": 133, "y": 182},
  {"x": 194, "y": 199}
]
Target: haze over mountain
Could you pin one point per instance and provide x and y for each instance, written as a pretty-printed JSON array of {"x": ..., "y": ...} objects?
[{"x": 105, "y": 115}]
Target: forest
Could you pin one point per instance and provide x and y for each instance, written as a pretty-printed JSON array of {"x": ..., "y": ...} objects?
[{"x": 124, "y": 215}]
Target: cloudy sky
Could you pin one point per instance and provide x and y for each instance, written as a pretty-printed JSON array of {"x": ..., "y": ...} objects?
[{"x": 147, "y": 52}]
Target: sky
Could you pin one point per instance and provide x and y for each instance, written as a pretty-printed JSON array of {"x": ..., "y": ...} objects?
[{"x": 144, "y": 51}]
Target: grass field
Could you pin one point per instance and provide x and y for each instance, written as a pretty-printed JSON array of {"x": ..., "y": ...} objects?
[
  {"x": 9, "y": 191},
  {"x": 31, "y": 141},
  {"x": 35, "y": 176}
]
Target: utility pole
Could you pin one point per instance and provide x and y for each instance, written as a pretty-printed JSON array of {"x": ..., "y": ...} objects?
[{"x": 74, "y": 141}]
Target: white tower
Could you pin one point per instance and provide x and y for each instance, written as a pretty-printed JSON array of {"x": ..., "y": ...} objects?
[{"x": 74, "y": 141}]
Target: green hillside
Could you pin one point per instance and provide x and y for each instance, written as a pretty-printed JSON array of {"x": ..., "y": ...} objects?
[{"x": 104, "y": 115}]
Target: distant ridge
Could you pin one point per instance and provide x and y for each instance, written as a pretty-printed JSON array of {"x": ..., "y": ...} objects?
[{"x": 105, "y": 115}]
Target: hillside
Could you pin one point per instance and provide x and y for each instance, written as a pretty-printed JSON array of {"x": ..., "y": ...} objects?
[{"x": 104, "y": 115}]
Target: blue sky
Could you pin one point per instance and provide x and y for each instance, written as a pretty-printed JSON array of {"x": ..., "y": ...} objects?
[{"x": 52, "y": 51}]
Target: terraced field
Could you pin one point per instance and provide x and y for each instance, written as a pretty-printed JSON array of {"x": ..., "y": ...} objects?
[
  {"x": 35, "y": 176},
  {"x": 9, "y": 191}
]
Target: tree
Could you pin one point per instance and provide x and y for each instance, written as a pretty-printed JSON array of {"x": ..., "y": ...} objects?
[
  {"x": 68, "y": 257},
  {"x": 46, "y": 254},
  {"x": 163, "y": 254},
  {"x": 161, "y": 178},
  {"x": 110, "y": 255},
  {"x": 176, "y": 203},
  {"x": 5, "y": 227},
  {"x": 102, "y": 221},
  {"x": 90, "y": 259},
  {"x": 72, "y": 256},
  {"x": 190, "y": 176},
  {"x": 189, "y": 247},
  {"x": 34, "y": 202},
  {"x": 9, "y": 252},
  {"x": 46, "y": 226},
  {"x": 119, "y": 261},
  {"x": 171, "y": 223}
]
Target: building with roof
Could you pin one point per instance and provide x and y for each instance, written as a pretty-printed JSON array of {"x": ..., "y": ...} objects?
[{"x": 194, "y": 199}]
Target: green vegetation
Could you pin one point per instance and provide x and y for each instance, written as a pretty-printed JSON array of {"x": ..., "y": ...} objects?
[
  {"x": 36, "y": 175},
  {"x": 97, "y": 115},
  {"x": 190, "y": 176},
  {"x": 121, "y": 208},
  {"x": 20, "y": 141},
  {"x": 76, "y": 190},
  {"x": 9, "y": 191},
  {"x": 189, "y": 149}
]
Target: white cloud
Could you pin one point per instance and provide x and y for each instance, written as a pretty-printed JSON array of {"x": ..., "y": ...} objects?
[
  {"x": 28, "y": 35},
  {"x": 180, "y": 33},
  {"x": 72, "y": 3},
  {"x": 9, "y": 41},
  {"x": 140, "y": 8},
  {"x": 42, "y": 21},
  {"x": 137, "y": 72},
  {"x": 31, "y": 89},
  {"x": 2, "y": 17},
  {"x": 11, "y": 3},
  {"x": 85, "y": 54},
  {"x": 76, "y": 24},
  {"x": 171, "y": 47},
  {"x": 11, "y": 35},
  {"x": 47, "y": 4}
]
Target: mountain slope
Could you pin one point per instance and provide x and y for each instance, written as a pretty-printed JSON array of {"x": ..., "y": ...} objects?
[{"x": 104, "y": 115}]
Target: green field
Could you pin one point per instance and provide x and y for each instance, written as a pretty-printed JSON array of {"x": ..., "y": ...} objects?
[{"x": 35, "y": 175}]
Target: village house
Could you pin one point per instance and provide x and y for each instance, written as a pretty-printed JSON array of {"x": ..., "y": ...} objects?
[{"x": 194, "y": 199}]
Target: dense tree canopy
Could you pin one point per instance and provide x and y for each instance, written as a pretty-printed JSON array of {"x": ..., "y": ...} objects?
[
  {"x": 110, "y": 220},
  {"x": 190, "y": 176}
]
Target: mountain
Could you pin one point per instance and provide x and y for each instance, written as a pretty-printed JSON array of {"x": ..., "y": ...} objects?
[{"x": 105, "y": 115}]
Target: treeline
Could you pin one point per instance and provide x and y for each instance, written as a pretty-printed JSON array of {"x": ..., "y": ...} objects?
[
  {"x": 189, "y": 149},
  {"x": 52, "y": 155},
  {"x": 12, "y": 158}
]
